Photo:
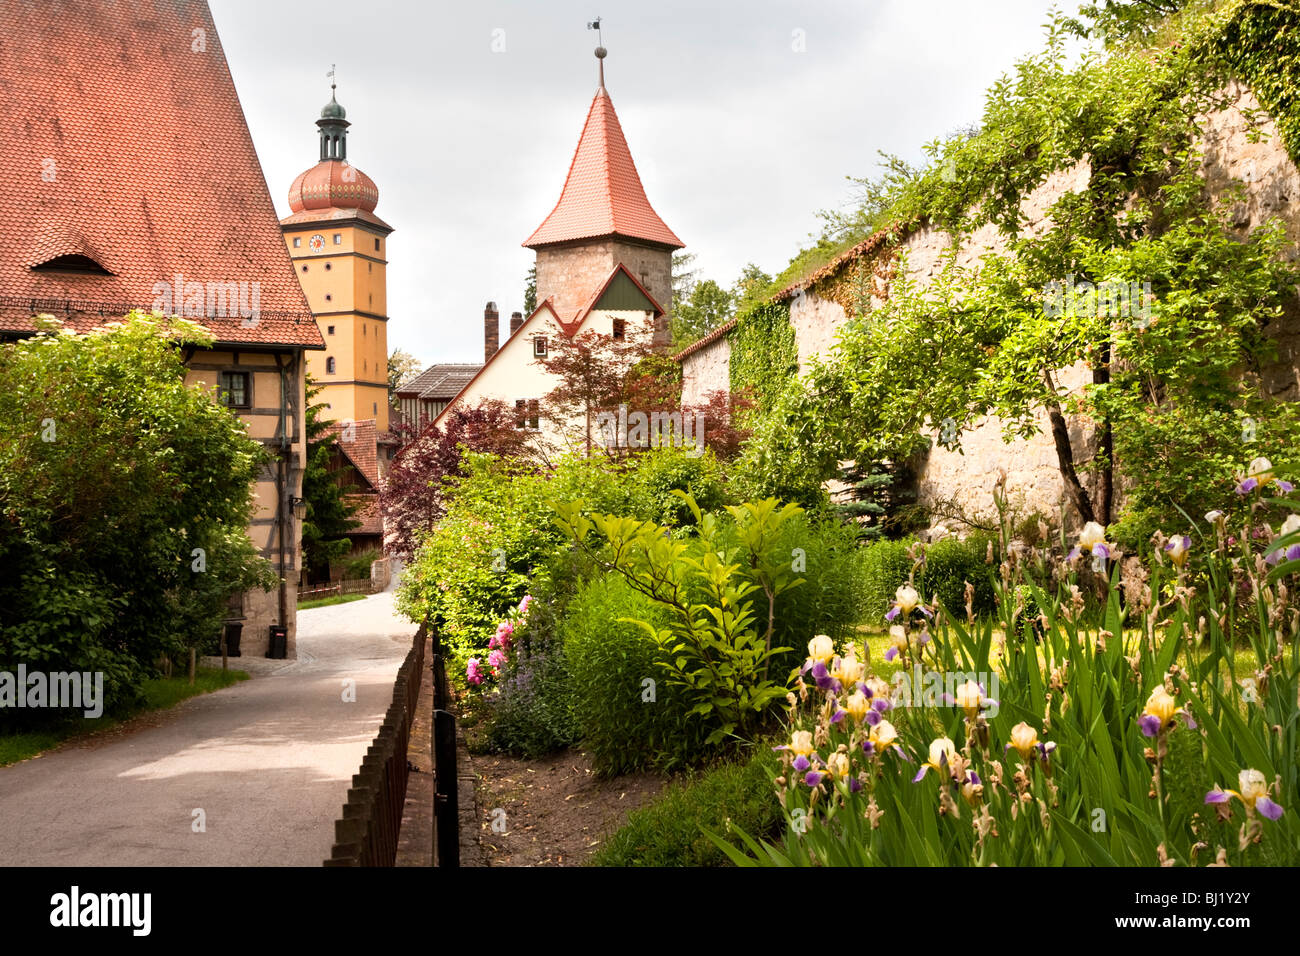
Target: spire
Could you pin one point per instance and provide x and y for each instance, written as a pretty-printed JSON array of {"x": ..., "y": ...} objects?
[
  {"x": 601, "y": 52},
  {"x": 333, "y": 125},
  {"x": 602, "y": 195}
]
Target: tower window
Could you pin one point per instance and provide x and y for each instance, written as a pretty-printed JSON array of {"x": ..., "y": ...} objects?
[
  {"x": 374, "y": 407},
  {"x": 328, "y": 297},
  {"x": 620, "y": 328},
  {"x": 331, "y": 330},
  {"x": 327, "y": 267},
  {"x": 232, "y": 389},
  {"x": 338, "y": 238},
  {"x": 329, "y": 365},
  {"x": 376, "y": 245},
  {"x": 370, "y": 267},
  {"x": 304, "y": 268},
  {"x": 539, "y": 346},
  {"x": 297, "y": 241}
]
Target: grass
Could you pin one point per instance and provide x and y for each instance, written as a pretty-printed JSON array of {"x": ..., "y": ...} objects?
[
  {"x": 666, "y": 833},
  {"x": 160, "y": 693},
  {"x": 326, "y": 602}
]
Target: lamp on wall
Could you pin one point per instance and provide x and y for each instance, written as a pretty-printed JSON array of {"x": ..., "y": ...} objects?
[{"x": 299, "y": 507}]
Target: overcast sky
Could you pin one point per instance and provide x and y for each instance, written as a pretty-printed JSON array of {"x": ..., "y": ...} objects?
[{"x": 739, "y": 137}]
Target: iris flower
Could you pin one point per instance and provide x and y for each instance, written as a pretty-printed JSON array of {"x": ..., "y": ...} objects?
[
  {"x": 1260, "y": 473},
  {"x": 1290, "y": 526},
  {"x": 1026, "y": 743},
  {"x": 906, "y": 600},
  {"x": 1160, "y": 710},
  {"x": 897, "y": 642},
  {"x": 941, "y": 752},
  {"x": 883, "y": 737},
  {"x": 1093, "y": 540},
  {"x": 1253, "y": 793},
  {"x": 1177, "y": 548}
]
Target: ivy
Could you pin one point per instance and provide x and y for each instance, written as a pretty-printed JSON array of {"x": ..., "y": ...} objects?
[
  {"x": 764, "y": 357},
  {"x": 1261, "y": 44}
]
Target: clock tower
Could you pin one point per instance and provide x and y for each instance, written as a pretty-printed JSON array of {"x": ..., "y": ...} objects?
[{"x": 339, "y": 251}]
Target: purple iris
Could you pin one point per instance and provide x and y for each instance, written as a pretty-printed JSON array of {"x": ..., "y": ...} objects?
[
  {"x": 873, "y": 717},
  {"x": 866, "y": 691},
  {"x": 1291, "y": 554},
  {"x": 1074, "y": 553},
  {"x": 1150, "y": 725},
  {"x": 921, "y": 773},
  {"x": 838, "y": 716},
  {"x": 1217, "y": 796},
  {"x": 1101, "y": 551},
  {"x": 868, "y": 747},
  {"x": 974, "y": 778},
  {"x": 1045, "y": 749},
  {"x": 813, "y": 778},
  {"x": 855, "y": 785},
  {"x": 881, "y": 704},
  {"x": 891, "y": 653},
  {"x": 1286, "y": 488},
  {"x": 1267, "y": 807},
  {"x": 893, "y": 613},
  {"x": 823, "y": 677},
  {"x": 1247, "y": 486},
  {"x": 801, "y": 763}
]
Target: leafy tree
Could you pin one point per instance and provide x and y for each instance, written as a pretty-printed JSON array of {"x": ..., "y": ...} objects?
[
  {"x": 595, "y": 375},
  {"x": 402, "y": 366},
  {"x": 683, "y": 278},
  {"x": 530, "y": 291},
  {"x": 750, "y": 288},
  {"x": 125, "y": 496},
  {"x": 414, "y": 497},
  {"x": 708, "y": 306},
  {"x": 329, "y": 513}
]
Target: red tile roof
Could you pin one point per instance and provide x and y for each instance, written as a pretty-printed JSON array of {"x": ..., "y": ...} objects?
[
  {"x": 122, "y": 139},
  {"x": 706, "y": 341},
  {"x": 333, "y": 184},
  {"x": 361, "y": 451},
  {"x": 602, "y": 195}
]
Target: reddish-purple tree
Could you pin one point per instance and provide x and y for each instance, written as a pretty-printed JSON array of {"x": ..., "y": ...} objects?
[{"x": 413, "y": 498}]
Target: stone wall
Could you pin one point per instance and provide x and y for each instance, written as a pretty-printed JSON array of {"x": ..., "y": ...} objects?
[
  {"x": 570, "y": 273},
  {"x": 950, "y": 481},
  {"x": 705, "y": 371}
]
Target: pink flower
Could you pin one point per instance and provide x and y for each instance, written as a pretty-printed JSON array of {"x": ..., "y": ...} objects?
[
  {"x": 497, "y": 658},
  {"x": 472, "y": 672},
  {"x": 523, "y": 605},
  {"x": 504, "y": 631}
]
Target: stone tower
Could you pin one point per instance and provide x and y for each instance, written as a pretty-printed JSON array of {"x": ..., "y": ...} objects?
[{"x": 603, "y": 219}]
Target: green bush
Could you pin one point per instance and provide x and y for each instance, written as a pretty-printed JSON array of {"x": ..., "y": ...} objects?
[
  {"x": 608, "y": 661},
  {"x": 531, "y": 711},
  {"x": 949, "y": 564},
  {"x": 668, "y": 832},
  {"x": 660, "y": 472},
  {"x": 885, "y": 565}
]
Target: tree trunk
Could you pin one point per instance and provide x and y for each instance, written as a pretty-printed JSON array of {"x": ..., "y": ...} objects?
[
  {"x": 192, "y": 667},
  {"x": 1078, "y": 495},
  {"x": 1105, "y": 446}
]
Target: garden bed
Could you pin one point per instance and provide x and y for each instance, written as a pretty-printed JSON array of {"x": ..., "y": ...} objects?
[{"x": 557, "y": 812}]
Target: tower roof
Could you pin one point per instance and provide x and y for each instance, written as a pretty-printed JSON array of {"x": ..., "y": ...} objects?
[{"x": 602, "y": 195}]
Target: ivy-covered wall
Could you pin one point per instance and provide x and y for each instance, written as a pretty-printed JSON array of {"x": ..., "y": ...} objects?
[
  {"x": 1261, "y": 44},
  {"x": 763, "y": 353}
]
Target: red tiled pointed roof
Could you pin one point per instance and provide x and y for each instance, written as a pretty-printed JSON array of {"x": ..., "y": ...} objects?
[
  {"x": 122, "y": 140},
  {"x": 602, "y": 195}
]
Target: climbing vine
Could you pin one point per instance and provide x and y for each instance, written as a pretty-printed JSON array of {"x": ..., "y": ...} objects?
[
  {"x": 1261, "y": 44},
  {"x": 763, "y": 353}
]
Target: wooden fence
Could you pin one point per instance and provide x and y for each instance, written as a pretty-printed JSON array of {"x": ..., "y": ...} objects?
[
  {"x": 356, "y": 586},
  {"x": 366, "y": 834}
]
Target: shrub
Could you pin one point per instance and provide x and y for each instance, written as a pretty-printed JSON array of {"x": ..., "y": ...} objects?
[
  {"x": 609, "y": 659},
  {"x": 949, "y": 564},
  {"x": 885, "y": 565},
  {"x": 660, "y": 472},
  {"x": 668, "y": 832},
  {"x": 531, "y": 712}
]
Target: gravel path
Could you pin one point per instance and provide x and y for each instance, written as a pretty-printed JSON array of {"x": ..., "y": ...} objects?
[{"x": 268, "y": 761}]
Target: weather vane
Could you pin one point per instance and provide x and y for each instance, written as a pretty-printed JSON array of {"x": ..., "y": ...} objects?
[
  {"x": 600, "y": 48},
  {"x": 330, "y": 74}
]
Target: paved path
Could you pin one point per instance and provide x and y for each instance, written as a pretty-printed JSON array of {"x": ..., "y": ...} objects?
[{"x": 269, "y": 761}]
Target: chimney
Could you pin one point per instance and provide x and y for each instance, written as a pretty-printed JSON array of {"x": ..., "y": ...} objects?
[
  {"x": 516, "y": 320},
  {"x": 491, "y": 331}
]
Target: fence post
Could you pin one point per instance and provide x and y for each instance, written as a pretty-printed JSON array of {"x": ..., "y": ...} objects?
[{"x": 446, "y": 798}]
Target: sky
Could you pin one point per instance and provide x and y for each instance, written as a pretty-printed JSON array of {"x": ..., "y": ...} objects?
[{"x": 743, "y": 118}]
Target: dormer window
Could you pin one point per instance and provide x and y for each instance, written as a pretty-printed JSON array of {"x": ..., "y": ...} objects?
[{"x": 73, "y": 262}]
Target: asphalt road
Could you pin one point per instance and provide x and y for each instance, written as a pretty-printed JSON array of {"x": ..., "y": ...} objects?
[{"x": 268, "y": 761}]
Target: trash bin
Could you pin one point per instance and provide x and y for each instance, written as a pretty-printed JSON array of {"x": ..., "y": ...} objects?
[
  {"x": 233, "y": 631},
  {"x": 278, "y": 646}
]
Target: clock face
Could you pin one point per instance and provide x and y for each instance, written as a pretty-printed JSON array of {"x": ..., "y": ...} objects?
[{"x": 317, "y": 243}]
